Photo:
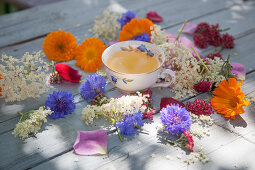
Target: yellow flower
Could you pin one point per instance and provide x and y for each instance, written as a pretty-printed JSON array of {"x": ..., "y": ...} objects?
[
  {"x": 136, "y": 27},
  {"x": 59, "y": 46},
  {"x": 228, "y": 98},
  {"x": 88, "y": 54}
]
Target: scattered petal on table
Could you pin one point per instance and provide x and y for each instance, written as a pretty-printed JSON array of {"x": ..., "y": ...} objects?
[
  {"x": 189, "y": 28},
  {"x": 168, "y": 101},
  {"x": 186, "y": 42},
  {"x": 91, "y": 142},
  {"x": 239, "y": 70},
  {"x": 154, "y": 16},
  {"x": 68, "y": 73}
]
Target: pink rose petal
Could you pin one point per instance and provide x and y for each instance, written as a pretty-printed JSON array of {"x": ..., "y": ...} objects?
[
  {"x": 113, "y": 42},
  {"x": 239, "y": 70},
  {"x": 91, "y": 142},
  {"x": 186, "y": 42},
  {"x": 189, "y": 28}
]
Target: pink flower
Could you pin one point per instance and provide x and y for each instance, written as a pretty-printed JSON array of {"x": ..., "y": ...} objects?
[
  {"x": 91, "y": 142},
  {"x": 149, "y": 114},
  {"x": 190, "y": 143}
]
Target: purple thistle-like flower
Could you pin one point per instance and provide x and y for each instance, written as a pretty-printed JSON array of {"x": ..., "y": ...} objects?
[
  {"x": 127, "y": 126},
  {"x": 92, "y": 86},
  {"x": 176, "y": 119},
  {"x": 61, "y": 103},
  {"x": 142, "y": 37},
  {"x": 125, "y": 18}
]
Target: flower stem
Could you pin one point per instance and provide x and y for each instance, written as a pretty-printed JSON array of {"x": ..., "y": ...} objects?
[
  {"x": 223, "y": 30},
  {"x": 200, "y": 60},
  {"x": 119, "y": 135},
  {"x": 179, "y": 32}
]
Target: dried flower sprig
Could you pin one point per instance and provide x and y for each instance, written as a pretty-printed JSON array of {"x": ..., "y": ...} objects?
[{"x": 23, "y": 78}]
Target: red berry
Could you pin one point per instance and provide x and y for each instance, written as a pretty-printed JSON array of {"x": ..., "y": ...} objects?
[
  {"x": 200, "y": 41},
  {"x": 202, "y": 86},
  {"x": 228, "y": 41},
  {"x": 200, "y": 107}
]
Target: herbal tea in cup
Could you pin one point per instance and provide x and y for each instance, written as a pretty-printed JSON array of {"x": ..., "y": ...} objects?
[
  {"x": 132, "y": 62},
  {"x": 135, "y": 66}
]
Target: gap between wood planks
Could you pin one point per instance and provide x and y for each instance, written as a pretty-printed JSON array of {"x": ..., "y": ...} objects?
[{"x": 90, "y": 25}]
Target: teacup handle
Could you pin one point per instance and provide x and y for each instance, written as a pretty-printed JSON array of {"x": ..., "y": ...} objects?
[{"x": 167, "y": 73}]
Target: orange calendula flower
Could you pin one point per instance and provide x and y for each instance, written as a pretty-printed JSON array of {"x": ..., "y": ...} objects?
[
  {"x": 136, "y": 27},
  {"x": 228, "y": 99},
  {"x": 88, "y": 54},
  {"x": 59, "y": 46}
]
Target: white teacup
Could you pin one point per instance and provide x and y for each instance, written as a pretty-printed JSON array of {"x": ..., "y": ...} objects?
[{"x": 130, "y": 83}]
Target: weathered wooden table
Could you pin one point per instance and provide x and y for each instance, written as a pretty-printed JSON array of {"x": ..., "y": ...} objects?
[{"x": 231, "y": 144}]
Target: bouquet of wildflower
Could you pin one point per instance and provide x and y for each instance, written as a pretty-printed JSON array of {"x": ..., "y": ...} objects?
[
  {"x": 125, "y": 112},
  {"x": 177, "y": 121}
]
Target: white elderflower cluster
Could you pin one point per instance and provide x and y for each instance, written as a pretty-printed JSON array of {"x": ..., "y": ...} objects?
[
  {"x": 158, "y": 36},
  {"x": 32, "y": 125},
  {"x": 23, "y": 78},
  {"x": 106, "y": 26},
  {"x": 199, "y": 131},
  {"x": 180, "y": 59},
  {"x": 207, "y": 120},
  {"x": 200, "y": 125},
  {"x": 214, "y": 67},
  {"x": 194, "y": 157},
  {"x": 125, "y": 105},
  {"x": 251, "y": 97},
  {"x": 122, "y": 106},
  {"x": 89, "y": 113}
]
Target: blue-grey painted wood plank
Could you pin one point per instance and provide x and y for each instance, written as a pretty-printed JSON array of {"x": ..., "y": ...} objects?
[{"x": 61, "y": 15}]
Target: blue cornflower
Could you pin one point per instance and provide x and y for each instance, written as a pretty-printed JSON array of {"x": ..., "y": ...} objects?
[
  {"x": 125, "y": 18},
  {"x": 127, "y": 126},
  {"x": 176, "y": 119},
  {"x": 61, "y": 103},
  {"x": 142, "y": 37},
  {"x": 92, "y": 86},
  {"x": 138, "y": 118}
]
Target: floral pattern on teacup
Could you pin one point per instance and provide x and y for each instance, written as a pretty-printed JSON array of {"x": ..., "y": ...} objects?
[{"x": 125, "y": 80}]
